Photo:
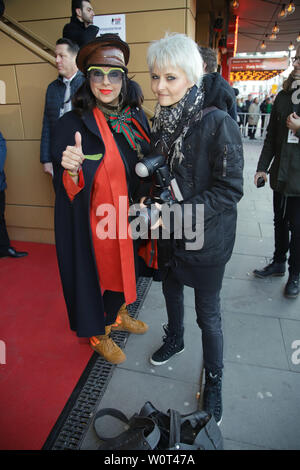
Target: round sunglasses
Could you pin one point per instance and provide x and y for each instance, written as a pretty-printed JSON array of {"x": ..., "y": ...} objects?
[{"x": 114, "y": 74}]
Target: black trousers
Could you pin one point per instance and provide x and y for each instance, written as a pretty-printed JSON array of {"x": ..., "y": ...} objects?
[
  {"x": 4, "y": 239},
  {"x": 263, "y": 117},
  {"x": 287, "y": 230},
  {"x": 113, "y": 301},
  {"x": 207, "y": 305},
  {"x": 251, "y": 131}
]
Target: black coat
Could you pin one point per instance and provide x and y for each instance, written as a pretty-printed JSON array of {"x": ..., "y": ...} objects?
[
  {"x": 280, "y": 158},
  {"x": 211, "y": 174},
  {"x": 218, "y": 91},
  {"x": 78, "y": 33},
  {"x": 74, "y": 245},
  {"x": 2, "y": 7}
]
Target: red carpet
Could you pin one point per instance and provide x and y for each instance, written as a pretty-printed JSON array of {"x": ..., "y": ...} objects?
[{"x": 43, "y": 359}]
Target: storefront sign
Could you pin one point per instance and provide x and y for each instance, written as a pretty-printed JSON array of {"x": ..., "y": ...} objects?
[
  {"x": 241, "y": 65},
  {"x": 111, "y": 24}
]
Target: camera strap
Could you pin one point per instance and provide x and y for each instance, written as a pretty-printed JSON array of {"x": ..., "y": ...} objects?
[
  {"x": 176, "y": 190},
  {"x": 139, "y": 127}
]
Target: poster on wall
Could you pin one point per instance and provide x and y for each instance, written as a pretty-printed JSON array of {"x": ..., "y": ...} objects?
[{"x": 111, "y": 24}]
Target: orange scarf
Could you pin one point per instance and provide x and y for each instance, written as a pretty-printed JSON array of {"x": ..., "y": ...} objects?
[{"x": 114, "y": 256}]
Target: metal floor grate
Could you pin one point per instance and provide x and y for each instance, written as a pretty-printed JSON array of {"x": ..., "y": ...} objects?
[{"x": 74, "y": 421}]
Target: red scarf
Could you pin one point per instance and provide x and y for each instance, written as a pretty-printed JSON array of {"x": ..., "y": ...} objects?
[{"x": 114, "y": 256}]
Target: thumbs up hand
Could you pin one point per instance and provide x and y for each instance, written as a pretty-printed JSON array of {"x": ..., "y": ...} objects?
[
  {"x": 72, "y": 157},
  {"x": 78, "y": 140}
]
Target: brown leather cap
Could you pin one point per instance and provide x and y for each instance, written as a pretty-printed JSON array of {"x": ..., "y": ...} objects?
[{"x": 107, "y": 49}]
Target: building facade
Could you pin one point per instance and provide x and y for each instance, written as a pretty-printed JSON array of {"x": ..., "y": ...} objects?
[{"x": 25, "y": 74}]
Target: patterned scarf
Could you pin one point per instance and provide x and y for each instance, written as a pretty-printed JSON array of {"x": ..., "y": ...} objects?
[
  {"x": 121, "y": 122},
  {"x": 174, "y": 121}
]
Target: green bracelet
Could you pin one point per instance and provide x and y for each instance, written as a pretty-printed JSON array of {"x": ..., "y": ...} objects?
[{"x": 72, "y": 174}]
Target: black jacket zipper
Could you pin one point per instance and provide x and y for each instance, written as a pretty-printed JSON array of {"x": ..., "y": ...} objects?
[{"x": 225, "y": 161}]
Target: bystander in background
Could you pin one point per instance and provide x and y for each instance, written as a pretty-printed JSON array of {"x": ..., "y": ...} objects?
[
  {"x": 5, "y": 248},
  {"x": 59, "y": 95},
  {"x": 81, "y": 29}
]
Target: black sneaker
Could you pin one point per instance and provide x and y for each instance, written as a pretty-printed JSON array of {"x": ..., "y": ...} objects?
[
  {"x": 212, "y": 397},
  {"x": 272, "y": 269},
  {"x": 173, "y": 344},
  {"x": 291, "y": 289}
]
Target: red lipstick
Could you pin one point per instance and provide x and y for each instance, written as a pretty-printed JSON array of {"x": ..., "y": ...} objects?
[{"x": 105, "y": 92}]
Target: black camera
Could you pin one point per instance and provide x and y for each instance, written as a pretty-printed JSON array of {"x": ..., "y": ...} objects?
[
  {"x": 155, "y": 166},
  {"x": 260, "y": 182}
]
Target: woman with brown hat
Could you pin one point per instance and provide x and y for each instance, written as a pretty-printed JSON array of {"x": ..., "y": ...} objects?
[{"x": 95, "y": 150}]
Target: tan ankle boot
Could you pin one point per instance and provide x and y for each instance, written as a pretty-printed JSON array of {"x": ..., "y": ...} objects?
[
  {"x": 125, "y": 322},
  {"x": 107, "y": 348}
]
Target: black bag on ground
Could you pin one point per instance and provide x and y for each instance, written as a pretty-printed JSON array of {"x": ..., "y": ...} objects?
[
  {"x": 153, "y": 430},
  {"x": 141, "y": 432}
]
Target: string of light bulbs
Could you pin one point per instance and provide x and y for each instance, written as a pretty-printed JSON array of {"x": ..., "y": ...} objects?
[{"x": 283, "y": 13}]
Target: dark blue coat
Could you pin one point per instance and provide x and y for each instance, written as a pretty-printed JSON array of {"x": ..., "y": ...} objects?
[
  {"x": 2, "y": 162},
  {"x": 53, "y": 103},
  {"x": 75, "y": 251}
]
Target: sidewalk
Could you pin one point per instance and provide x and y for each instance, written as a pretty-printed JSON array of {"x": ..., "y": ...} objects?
[{"x": 261, "y": 380}]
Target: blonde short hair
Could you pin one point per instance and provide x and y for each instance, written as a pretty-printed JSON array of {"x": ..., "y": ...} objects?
[{"x": 177, "y": 50}]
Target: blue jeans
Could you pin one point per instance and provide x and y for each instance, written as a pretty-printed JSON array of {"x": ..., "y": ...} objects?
[{"x": 208, "y": 318}]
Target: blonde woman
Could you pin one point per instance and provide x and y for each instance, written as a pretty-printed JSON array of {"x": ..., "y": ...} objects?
[{"x": 203, "y": 149}]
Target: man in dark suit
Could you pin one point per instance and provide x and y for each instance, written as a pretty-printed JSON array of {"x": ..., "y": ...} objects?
[
  {"x": 59, "y": 95},
  {"x": 5, "y": 248},
  {"x": 81, "y": 29}
]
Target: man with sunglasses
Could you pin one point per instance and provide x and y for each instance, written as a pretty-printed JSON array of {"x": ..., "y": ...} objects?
[
  {"x": 81, "y": 29},
  {"x": 280, "y": 157}
]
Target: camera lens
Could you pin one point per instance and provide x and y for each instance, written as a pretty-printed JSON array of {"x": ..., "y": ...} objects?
[
  {"x": 148, "y": 165},
  {"x": 141, "y": 170}
]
